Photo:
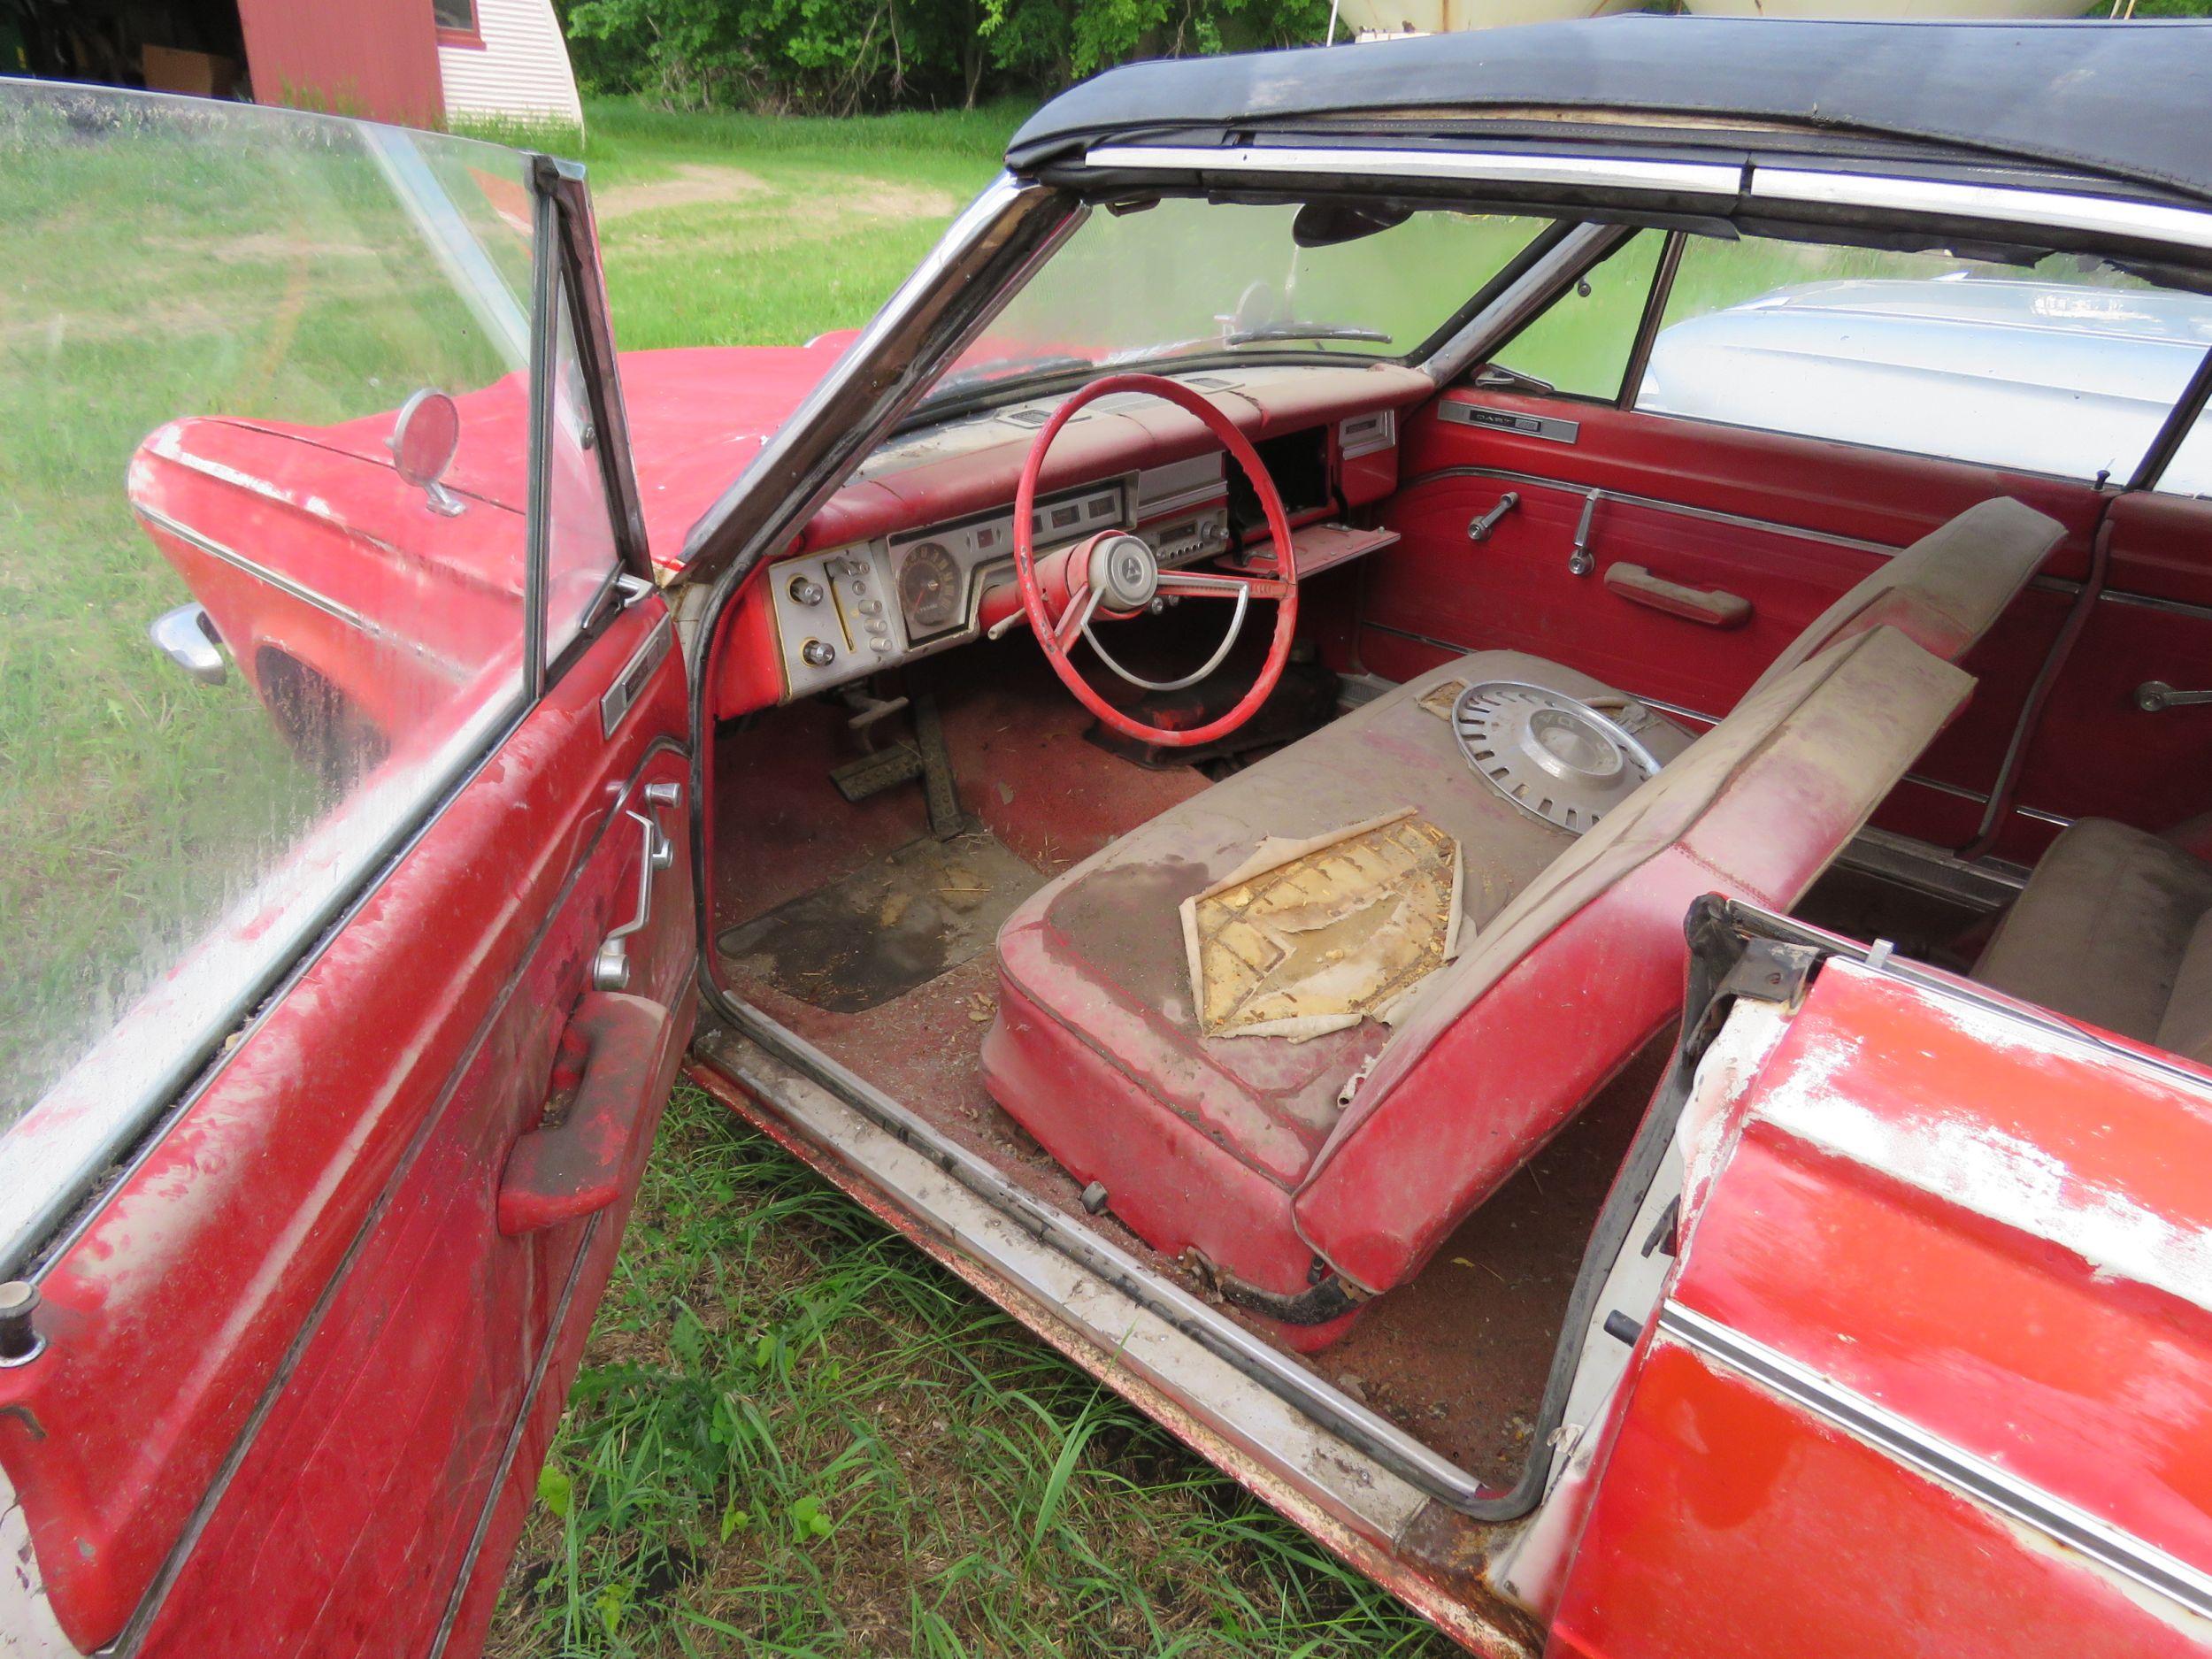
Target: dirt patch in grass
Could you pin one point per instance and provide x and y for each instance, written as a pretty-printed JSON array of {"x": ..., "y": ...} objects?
[
  {"x": 692, "y": 184},
  {"x": 886, "y": 198}
]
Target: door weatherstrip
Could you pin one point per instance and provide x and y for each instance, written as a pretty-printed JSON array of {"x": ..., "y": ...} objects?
[{"x": 2110, "y": 1545}]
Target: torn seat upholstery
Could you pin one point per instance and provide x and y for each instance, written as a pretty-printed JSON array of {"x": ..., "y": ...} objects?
[{"x": 1308, "y": 1175}]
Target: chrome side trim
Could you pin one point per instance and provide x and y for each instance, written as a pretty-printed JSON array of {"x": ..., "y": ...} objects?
[
  {"x": 277, "y": 580},
  {"x": 1691, "y": 178},
  {"x": 2152, "y": 602},
  {"x": 2145, "y": 221},
  {"x": 1705, "y": 515},
  {"x": 1978, "y": 1478},
  {"x": 617, "y": 700},
  {"x": 1546, "y": 427},
  {"x": 515, "y": 1432}
]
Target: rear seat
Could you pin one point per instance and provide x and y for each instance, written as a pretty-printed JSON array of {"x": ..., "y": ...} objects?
[{"x": 2114, "y": 927}]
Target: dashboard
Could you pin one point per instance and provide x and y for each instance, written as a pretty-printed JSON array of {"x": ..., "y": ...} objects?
[
  {"x": 855, "y": 610},
  {"x": 914, "y": 556}
]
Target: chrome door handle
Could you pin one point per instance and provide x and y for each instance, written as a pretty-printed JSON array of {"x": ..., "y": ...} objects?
[
  {"x": 2154, "y": 694},
  {"x": 610, "y": 968}
]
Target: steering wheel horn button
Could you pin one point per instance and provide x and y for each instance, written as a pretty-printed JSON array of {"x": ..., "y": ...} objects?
[{"x": 1123, "y": 570}]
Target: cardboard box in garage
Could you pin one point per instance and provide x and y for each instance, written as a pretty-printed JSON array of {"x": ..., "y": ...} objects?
[{"x": 173, "y": 69}]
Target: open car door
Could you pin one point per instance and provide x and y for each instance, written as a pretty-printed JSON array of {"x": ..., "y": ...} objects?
[
  {"x": 337, "y": 1047},
  {"x": 1920, "y": 1256}
]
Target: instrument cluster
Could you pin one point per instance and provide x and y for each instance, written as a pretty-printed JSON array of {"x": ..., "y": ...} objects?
[{"x": 847, "y": 613}]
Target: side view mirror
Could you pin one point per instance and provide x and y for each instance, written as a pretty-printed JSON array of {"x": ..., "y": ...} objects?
[
  {"x": 186, "y": 637},
  {"x": 423, "y": 443}
]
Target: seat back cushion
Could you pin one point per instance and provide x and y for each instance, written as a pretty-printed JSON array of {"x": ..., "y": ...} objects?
[
  {"x": 2105, "y": 930},
  {"x": 1943, "y": 592},
  {"x": 1570, "y": 980},
  {"x": 2186, "y": 1027}
]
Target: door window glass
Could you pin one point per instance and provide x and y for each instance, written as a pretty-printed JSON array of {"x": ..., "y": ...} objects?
[
  {"x": 1580, "y": 344},
  {"x": 263, "y": 426},
  {"x": 580, "y": 530},
  {"x": 2066, "y": 367}
]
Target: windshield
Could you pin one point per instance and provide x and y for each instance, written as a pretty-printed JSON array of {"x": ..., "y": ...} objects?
[{"x": 1186, "y": 278}]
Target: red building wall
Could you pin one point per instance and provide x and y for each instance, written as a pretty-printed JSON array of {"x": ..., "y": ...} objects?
[{"x": 377, "y": 58}]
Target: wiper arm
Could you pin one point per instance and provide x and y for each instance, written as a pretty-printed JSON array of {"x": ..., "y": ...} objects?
[
  {"x": 1007, "y": 369},
  {"x": 1302, "y": 331},
  {"x": 1497, "y": 377}
]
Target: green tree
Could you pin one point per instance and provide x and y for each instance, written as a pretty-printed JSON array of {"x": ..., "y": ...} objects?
[{"x": 839, "y": 56}]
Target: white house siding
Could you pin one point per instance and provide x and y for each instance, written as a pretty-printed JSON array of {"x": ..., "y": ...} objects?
[{"x": 521, "y": 71}]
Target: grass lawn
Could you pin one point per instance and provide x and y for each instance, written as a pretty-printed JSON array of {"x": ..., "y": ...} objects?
[{"x": 793, "y": 1434}]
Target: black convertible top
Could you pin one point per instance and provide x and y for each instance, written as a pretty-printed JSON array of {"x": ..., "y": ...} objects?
[{"x": 2129, "y": 101}]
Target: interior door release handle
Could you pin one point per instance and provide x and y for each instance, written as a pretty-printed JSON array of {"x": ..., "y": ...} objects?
[
  {"x": 1480, "y": 529},
  {"x": 2154, "y": 694},
  {"x": 610, "y": 968},
  {"x": 1715, "y": 607}
]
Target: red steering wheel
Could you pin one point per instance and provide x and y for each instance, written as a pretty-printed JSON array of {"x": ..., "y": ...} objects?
[{"x": 1115, "y": 573}]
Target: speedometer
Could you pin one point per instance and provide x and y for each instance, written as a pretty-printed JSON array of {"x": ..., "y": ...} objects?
[{"x": 929, "y": 590}]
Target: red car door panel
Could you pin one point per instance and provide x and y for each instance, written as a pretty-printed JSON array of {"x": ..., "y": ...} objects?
[
  {"x": 1883, "y": 496},
  {"x": 287, "y": 1448},
  {"x": 1784, "y": 524},
  {"x": 2095, "y": 751}
]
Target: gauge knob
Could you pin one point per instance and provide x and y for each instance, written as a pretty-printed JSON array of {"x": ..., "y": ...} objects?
[
  {"x": 806, "y": 590},
  {"x": 817, "y": 654}
]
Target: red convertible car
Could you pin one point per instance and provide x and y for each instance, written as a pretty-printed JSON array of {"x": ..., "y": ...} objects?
[{"x": 1604, "y": 999}]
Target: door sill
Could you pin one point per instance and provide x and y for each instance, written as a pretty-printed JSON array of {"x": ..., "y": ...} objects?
[
  {"x": 1376, "y": 1497},
  {"x": 1984, "y": 884}
]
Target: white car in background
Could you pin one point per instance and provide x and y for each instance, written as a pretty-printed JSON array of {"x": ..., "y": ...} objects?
[{"x": 2047, "y": 377}]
